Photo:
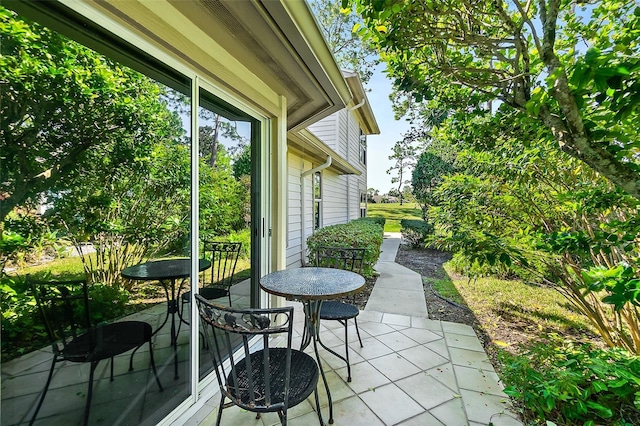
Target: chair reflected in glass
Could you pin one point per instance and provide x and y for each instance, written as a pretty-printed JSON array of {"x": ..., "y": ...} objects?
[
  {"x": 258, "y": 381},
  {"x": 217, "y": 281},
  {"x": 64, "y": 307},
  {"x": 350, "y": 259}
]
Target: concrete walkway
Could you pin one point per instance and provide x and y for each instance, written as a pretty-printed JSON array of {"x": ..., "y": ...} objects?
[{"x": 398, "y": 290}]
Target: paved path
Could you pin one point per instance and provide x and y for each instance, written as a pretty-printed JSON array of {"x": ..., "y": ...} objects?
[{"x": 398, "y": 290}]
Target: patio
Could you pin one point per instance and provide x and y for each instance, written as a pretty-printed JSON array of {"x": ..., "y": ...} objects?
[{"x": 411, "y": 371}]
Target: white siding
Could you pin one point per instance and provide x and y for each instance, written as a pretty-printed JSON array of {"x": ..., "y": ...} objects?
[
  {"x": 296, "y": 230},
  {"x": 340, "y": 193}
]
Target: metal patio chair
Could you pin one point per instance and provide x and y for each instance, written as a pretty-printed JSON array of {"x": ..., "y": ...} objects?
[
  {"x": 351, "y": 259},
  {"x": 218, "y": 279},
  {"x": 64, "y": 307},
  {"x": 267, "y": 379}
]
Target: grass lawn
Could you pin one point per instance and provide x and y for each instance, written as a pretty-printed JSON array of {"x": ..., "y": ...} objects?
[
  {"x": 511, "y": 311},
  {"x": 393, "y": 213}
]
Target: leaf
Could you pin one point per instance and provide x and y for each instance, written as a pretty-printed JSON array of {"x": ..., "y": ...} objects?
[
  {"x": 592, "y": 55},
  {"x": 381, "y": 29}
]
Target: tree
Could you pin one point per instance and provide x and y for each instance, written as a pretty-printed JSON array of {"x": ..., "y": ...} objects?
[
  {"x": 350, "y": 51},
  {"x": 63, "y": 105},
  {"x": 426, "y": 178},
  {"x": 372, "y": 192},
  {"x": 403, "y": 154},
  {"x": 572, "y": 66},
  {"x": 518, "y": 206}
]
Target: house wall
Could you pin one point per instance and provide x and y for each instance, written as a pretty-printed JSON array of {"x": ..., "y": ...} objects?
[
  {"x": 296, "y": 165},
  {"x": 340, "y": 193},
  {"x": 341, "y": 132}
]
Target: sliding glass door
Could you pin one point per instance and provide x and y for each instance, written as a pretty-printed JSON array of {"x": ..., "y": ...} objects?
[{"x": 102, "y": 170}]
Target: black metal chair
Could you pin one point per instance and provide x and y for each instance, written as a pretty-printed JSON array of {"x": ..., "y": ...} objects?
[
  {"x": 351, "y": 259},
  {"x": 260, "y": 381},
  {"x": 64, "y": 307},
  {"x": 218, "y": 279}
]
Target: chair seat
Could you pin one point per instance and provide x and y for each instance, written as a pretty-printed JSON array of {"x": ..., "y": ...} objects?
[
  {"x": 109, "y": 340},
  {"x": 304, "y": 379},
  {"x": 332, "y": 310},
  {"x": 208, "y": 293}
]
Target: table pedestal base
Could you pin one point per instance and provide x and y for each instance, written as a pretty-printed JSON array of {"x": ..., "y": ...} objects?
[{"x": 310, "y": 334}]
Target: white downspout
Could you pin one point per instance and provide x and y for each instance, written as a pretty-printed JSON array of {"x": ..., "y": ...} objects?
[
  {"x": 358, "y": 105},
  {"x": 303, "y": 242}
]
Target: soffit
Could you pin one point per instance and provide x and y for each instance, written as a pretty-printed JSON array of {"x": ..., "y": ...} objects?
[
  {"x": 307, "y": 145},
  {"x": 257, "y": 50}
]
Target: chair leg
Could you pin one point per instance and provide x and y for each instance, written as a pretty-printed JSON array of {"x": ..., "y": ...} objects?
[
  {"x": 315, "y": 392},
  {"x": 90, "y": 392},
  {"x": 44, "y": 392},
  {"x": 220, "y": 411},
  {"x": 153, "y": 366},
  {"x": 111, "y": 370},
  {"x": 355, "y": 319},
  {"x": 346, "y": 348}
]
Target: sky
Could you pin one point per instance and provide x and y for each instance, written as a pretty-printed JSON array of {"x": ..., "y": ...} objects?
[{"x": 379, "y": 146}]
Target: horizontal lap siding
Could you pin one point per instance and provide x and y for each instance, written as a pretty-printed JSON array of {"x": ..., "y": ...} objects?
[{"x": 295, "y": 166}]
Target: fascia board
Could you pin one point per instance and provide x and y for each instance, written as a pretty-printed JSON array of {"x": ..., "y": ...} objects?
[{"x": 306, "y": 143}]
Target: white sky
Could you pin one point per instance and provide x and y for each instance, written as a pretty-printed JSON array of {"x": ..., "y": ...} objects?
[{"x": 379, "y": 146}]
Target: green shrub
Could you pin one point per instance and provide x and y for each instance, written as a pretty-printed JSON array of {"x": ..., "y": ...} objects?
[
  {"x": 244, "y": 237},
  {"x": 107, "y": 303},
  {"x": 19, "y": 317},
  {"x": 415, "y": 232},
  {"x": 573, "y": 384},
  {"x": 357, "y": 233},
  {"x": 379, "y": 220}
]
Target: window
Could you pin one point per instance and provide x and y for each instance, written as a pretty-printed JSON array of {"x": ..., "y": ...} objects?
[
  {"x": 363, "y": 148},
  {"x": 363, "y": 204},
  {"x": 317, "y": 200}
]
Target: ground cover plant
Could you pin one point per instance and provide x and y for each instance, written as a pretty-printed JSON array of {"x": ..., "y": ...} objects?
[{"x": 551, "y": 379}]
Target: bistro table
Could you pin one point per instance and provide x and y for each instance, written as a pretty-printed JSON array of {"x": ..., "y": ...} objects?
[
  {"x": 167, "y": 272},
  {"x": 312, "y": 285}
]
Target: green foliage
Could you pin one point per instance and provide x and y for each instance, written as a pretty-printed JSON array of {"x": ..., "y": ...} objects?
[
  {"x": 107, "y": 302},
  {"x": 518, "y": 207},
  {"x": 460, "y": 57},
  {"x": 379, "y": 220},
  {"x": 356, "y": 234},
  {"x": 20, "y": 317},
  {"x": 426, "y": 177},
  {"x": 350, "y": 51},
  {"x": 415, "y": 232},
  {"x": 619, "y": 282},
  {"x": 61, "y": 98},
  {"x": 569, "y": 384},
  {"x": 403, "y": 156}
]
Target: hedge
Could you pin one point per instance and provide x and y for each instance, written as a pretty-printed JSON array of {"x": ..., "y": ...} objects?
[
  {"x": 415, "y": 231},
  {"x": 379, "y": 220},
  {"x": 358, "y": 233}
]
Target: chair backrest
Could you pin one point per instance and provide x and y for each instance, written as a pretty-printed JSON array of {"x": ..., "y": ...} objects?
[
  {"x": 232, "y": 327},
  {"x": 224, "y": 258},
  {"x": 64, "y": 307},
  {"x": 350, "y": 259}
]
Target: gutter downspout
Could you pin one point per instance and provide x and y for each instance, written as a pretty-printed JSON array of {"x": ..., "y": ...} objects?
[
  {"x": 350, "y": 109},
  {"x": 303, "y": 242},
  {"x": 364, "y": 101}
]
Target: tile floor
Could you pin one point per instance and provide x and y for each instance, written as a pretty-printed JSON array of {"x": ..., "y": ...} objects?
[{"x": 411, "y": 371}]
